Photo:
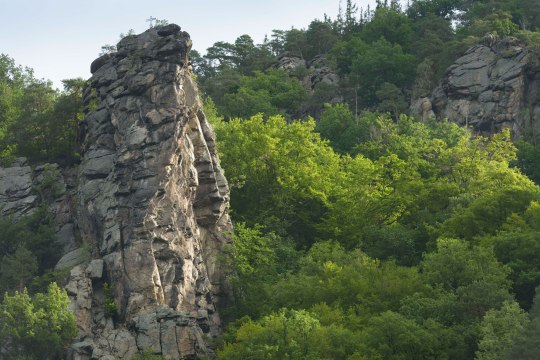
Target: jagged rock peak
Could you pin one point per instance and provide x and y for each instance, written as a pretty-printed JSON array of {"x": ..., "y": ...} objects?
[
  {"x": 166, "y": 43},
  {"x": 152, "y": 205}
]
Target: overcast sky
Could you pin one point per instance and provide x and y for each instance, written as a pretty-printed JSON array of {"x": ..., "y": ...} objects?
[{"x": 60, "y": 38}]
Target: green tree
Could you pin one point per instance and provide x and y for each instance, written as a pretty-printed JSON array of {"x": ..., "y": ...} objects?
[
  {"x": 527, "y": 345},
  {"x": 499, "y": 330},
  {"x": 17, "y": 270},
  {"x": 390, "y": 24},
  {"x": 499, "y": 22},
  {"x": 221, "y": 55},
  {"x": 258, "y": 260},
  {"x": 347, "y": 21},
  {"x": 349, "y": 280},
  {"x": 391, "y": 100},
  {"x": 518, "y": 246},
  {"x": 486, "y": 214},
  {"x": 341, "y": 127},
  {"x": 243, "y": 56},
  {"x": 392, "y": 336},
  {"x": 454, "y": 265},
  {"x": 320, "y": 38},
  {"x": 288, "y": 334},
  {"x": 13, "y": 80},
  {"x": 226, "y": 81},
  {"x": 280, "y": 173},
  {"x": 38, "y": 328},
  {"x": 272, "y": 92},
  {"x": 47, "y": 124},
  {"x": 440, "y": 8},
  {"x": 472, "y": 274},
  {"x": 528, "y": 160},
  {"x": 35, "y": 232},
  {"x": 296, "y": 41},
  {"x": 277, "y": 41},
  {"x": 465, "y": 283},
  {"x": 367, "y": 66}
]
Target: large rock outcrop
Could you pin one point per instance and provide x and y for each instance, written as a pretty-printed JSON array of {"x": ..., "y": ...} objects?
[
  {"x": 152, "y": 206},
  {"x": 494, "y": 85}
]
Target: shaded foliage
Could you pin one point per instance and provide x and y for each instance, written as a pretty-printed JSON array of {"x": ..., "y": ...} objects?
[{"x": 36, "y": 328}]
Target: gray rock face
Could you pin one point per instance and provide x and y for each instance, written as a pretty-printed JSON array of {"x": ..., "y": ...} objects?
[
  {"x": 16, "y": 196},
  {"x": 73, "y": 258},
  {"x": 23, "y": 189},
  {"x": 423, "y": 108},
  {"x": 493, "y": 86},
  {"x": 322, "y": 73},
  {"x": 152, "y": 204}
]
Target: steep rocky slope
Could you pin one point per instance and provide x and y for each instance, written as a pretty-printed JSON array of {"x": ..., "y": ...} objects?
[
  {"x": 494, "y": 85},
  {"x": 143, "y": 219}
]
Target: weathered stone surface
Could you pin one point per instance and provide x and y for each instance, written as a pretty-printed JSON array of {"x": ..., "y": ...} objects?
[
  {"x": 152, "y": 204},
  {"x": 80, "y": 290},
  {"x": 148, "y": 331},
  {"x": 16, "y": 196},
  {"x": 143, "y": 219},
  {"x": 423, "y": 109},
  {"x": 66, "y": 237},
  {"x": 493, "y": 86},
  {"x": 99, "y": 62},
  {"x": 23, "y": 190},
  {"x": 290, "y": 61},
  {"x": 73, "y": 258},
  {"x": 322, "y": 72},
  {"x": 95, "y": 269}
]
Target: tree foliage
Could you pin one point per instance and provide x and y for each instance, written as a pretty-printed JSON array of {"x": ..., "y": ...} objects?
[
  {"x": 36, "y": 328},
  {"x": 37, "y": 121},
  {"x": 271, "y": 165},
  {"x": 421, "y": 229},
  {"x": 272, "y": 92},
  {"x": 500, "y": 328}
]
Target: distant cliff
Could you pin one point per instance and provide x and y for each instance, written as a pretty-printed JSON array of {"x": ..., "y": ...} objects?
[
  {"x": 494, "y": 85},
  {"x": 143, "y": 219}
]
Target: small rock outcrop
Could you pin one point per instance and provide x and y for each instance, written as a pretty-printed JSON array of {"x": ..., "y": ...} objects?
[
  {"x": 494, "y": 85},
  {"x": 315, "y": 75},
  {"x": 423, "y": 109},
  {"x": 152, "y": 206},
  {"x": 16, "y": 196}
]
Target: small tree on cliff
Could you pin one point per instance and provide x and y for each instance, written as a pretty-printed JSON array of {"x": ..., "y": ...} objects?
[{"x": 36, "y": 328}]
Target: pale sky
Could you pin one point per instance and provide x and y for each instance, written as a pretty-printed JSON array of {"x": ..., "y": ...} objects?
[{"x": 60, "y": 38}]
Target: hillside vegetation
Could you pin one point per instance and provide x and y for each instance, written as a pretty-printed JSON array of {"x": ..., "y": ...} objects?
[{"x": 360, "y": 231}]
